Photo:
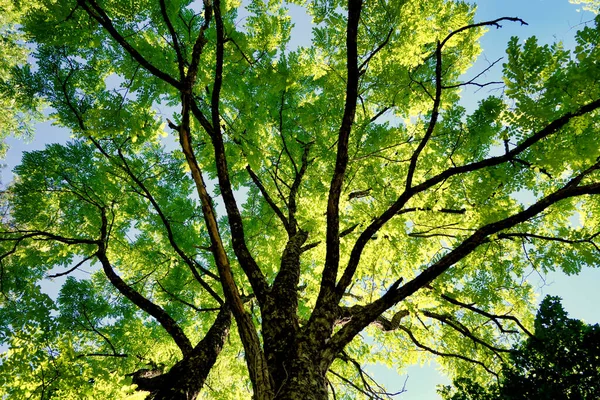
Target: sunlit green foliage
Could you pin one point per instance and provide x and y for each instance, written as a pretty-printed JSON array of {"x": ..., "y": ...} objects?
[{"x": 461, "y": 204}]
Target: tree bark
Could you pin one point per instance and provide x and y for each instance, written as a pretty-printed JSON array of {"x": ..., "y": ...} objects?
[
  {"x": 185, "y": 380},
  {"x": 305, "y": 380}
]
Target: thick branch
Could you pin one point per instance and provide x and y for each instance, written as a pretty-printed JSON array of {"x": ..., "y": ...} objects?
[
  {"x": 25, "y": 234},
  {"x": 332, "y": 256},
  {"x": 187, "y": 377},
  {"x": 396, "y": 208},
  {"x": 370, "y": 312},
  {"x": 247, "y": 262}
]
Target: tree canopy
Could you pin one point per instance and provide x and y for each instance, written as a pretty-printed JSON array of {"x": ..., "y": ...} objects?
[{"x": 235, "y": 216}]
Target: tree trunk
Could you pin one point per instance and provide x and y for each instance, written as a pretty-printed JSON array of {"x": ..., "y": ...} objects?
[{"x": 305, "y": 381}]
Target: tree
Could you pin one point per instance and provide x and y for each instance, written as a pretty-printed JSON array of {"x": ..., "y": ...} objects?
[
  {"x": 562, "y": 361},
  {"x": 359, "y": 212}
]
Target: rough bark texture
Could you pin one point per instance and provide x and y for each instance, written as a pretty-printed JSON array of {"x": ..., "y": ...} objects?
[
  {"x": 186, "y": 378},
  {"x": 304, "y": 375}
]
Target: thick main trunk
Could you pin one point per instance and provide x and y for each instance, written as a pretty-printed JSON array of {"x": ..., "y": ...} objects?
[{"x": 305, "y": 381}]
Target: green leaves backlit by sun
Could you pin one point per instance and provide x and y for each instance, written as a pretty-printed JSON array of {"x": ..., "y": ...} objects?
[{"x": 238, "y": 216}]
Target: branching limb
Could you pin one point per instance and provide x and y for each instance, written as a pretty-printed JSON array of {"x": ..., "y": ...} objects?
[
  {"x": 378, "y": 392},
  {"x": 255, "y": 358},
  {"x": 550, "y": 129},
  {"x": 247, "y": 262},
  {"x": 166, "y": 321},
  {"x": 443, "y": 354},
  {"x": 460, "y": 328},
  {"x": 332, "y": 257},
  {"x": 268, "y": 198},
  {"x": 588, "y": 240},
  {"x": 20, "y": 235},
  {"x": 187, "y": 303},
  {"x": 189, "y": 374},
  {"x": 124, "y": 165},
  {"x": 67, "y": 272},
  {"x": 472, "y": 80},
  {"x": 395, "y": 294},
  {"x": 96, "y": 12},
  {"x": 349, "y": 382},
  {"x": 495, "y": 22},
  {"x": 493, "y": 317}
]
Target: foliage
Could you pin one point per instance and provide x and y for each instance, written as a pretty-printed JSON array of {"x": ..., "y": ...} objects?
[
  {"x": 19, "y": 105},
  {"x": 562, "y": 361},
  {"x": 590, "y": 5},
  {"x": 237, "y": 214}
]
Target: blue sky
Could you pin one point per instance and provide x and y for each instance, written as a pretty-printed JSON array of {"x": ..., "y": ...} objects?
[{"x": 550, "y": 21}]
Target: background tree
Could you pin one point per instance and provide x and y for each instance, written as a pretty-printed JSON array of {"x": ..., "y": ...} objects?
[
  {"x": 562, "y": 361},
  {"x": 373, "y": 214}
]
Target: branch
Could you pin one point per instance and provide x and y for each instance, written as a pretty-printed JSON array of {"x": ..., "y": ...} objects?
[
  {"x": 180, "y": 300},
  {"x": 448, "y": 320},
  {"x": 442, "y": 354},
  {"x": 495, "y": 22},
  {"x": 343, "y": 233},
  {"x": 432, "y": 120},
  {"x": 492, "y": 317},
  {"x": 96, "y": 12},
  {"x": 118, "y": 355},
  {"x": 180, "y": 59},
  {"x": 349, "y": 382},
  {"x": 294, "y": 190},
  {"x": 247, "y": 262},
  {"x": 396, "y": 208},
  {"x": 332, "y": 256},
  {"x": 95, "y": 330},
  {"x": 365, "y": 378},
  {"x": 377, "y": 50},
  {"x": 371, "y": 311},
  {"x": 589, "y": 240},
  {"x": 67, "y": 272},
  {"x": 268, "y": 198},
  {"x": 26, "y": 234},
  {"x": 166, "y": 321},
  {"x": 255, "y": 359},
  {"x": 472, "y": 81},
  {"x": 166, "y": 223},
  {"x": 189, "y": 374},
  {"x": 283, "y": 142}
]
